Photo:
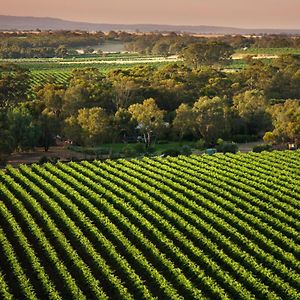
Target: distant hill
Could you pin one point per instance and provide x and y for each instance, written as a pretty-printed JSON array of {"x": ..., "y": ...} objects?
[{"x": 32, "y": 23}]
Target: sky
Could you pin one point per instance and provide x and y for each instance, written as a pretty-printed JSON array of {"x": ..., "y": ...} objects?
[{"x": 284, "y": 14}]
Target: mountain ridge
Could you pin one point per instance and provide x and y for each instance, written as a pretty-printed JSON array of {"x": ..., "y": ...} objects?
[{"x": 50, "y": 23}]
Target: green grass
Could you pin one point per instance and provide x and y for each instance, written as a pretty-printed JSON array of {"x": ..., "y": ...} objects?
[{"x": 117, "y": 148}]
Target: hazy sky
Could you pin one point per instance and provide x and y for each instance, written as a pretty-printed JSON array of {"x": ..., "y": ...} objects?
[{"x": 238, "y": 13}]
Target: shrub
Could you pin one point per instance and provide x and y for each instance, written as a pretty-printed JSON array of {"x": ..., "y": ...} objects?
[
  {"x": 227, "y": 147},
  {"x": 150, "y": 150},
  {"x": 245, "y": 138},
  {"x": 230, "y": 147},
  {"x": 140, "y": 148},
  {"x": 44, "y": 159},
  {"x": 171, "y": 152},
  {"x": 129, "y": 151},
  {"x": 74, "y": 158},
  {"x": 3, "y": 159},
  {"x": 102, "y": 151},
  {"x": 55, "y": 159},
  {"x": 262, "y": 147},
  {"x": 220, "y": 141},
  {"x": 162, "y": 142},
  {"x": 115, "y": 155},
  {"x": 186, "y": 150},
  {"x": 201, "y": 144}
]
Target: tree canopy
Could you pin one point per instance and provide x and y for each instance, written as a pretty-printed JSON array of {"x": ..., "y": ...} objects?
[
  {"x": 211, "y": 117},
  {"x": 207, "y": 53},
  {"x": 286, "y": 122},
  {"x": 149, "y": 117}
]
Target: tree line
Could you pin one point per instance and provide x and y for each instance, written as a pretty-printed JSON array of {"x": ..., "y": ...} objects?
[
  {"x": 173, "y": 43},
  {"x": 46, "y": 44},
  {"x": 173, "y": 102}
]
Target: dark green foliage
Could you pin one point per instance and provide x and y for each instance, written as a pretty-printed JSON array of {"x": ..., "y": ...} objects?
[
  {"x": 43, "y": 160},
  {"x": 14, "y": 85},
  {"x": 129, "y": 151},
  {"x": 227, "y": 147},
  {"x": 22, "y": 128},
  {"x": 262, "y": 147},
  {"x": 140, "y": 148},
  {"x": 207, "y": 53},
  {"x": 200, "y": 144},
  {"x": 180, "y": 150},
  {"x": 186, "y": 150},
  {"x": 245, "y": 138},
  {"x": 171, "y": 152}
]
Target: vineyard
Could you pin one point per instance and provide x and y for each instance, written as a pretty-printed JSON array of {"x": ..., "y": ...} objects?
[
  {"x": 190, "y": 227},
  {"x": 60, "y": 70},
  {"x": 42, "y": 77},
  {"x": 108, "y": 62},
  {"x": 270, "y": 51}
]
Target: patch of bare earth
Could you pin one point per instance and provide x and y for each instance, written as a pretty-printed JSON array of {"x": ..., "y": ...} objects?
[{"x": 57, "y": 152}]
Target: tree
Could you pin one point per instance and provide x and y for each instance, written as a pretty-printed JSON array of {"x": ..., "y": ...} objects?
[
  {"x": 22, "y": 128},
  {"x": 52, "y": 97},
  {"x": 47, "y": 110},
  {"x": 207, "y": 53},
  {"x": 61, "y": 51},
  {"x": 286, "y": 122},
  {"x": 6, "y": 139},
  {"x": 89, "y": 50},
  {"x": 49, "y": 126},
  {"x": 251, "y": 108},
  {"x": 73, "y": 131},
  {"x": 257, "y": 75},
  {"x": 94, "y": 123},
  {"x": 123, "y": 88},
  {"x": 124, "y": 126},
  {"x": 149, "y": 117},
  {"x": 212, "y": 118},
  {"x": 285, "y": 82},
  {"x": 88, "y": 88},
  {"x": 112, "y": 35},
  {"x": 160, "y": 48},
  {"x": 184, "y": 122}
]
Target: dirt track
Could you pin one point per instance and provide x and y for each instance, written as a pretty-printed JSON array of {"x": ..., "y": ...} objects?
[
  {"x": 66, "y": 155},
  {"x": 54, "y": 152}
]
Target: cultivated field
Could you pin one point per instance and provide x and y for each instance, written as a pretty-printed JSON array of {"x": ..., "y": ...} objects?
[
  {"x": 111, "y": 61},
  {"x": 60, "y": 69},
  {"x": 217, "y": 227},
  {"x": 264, "y": 53}
]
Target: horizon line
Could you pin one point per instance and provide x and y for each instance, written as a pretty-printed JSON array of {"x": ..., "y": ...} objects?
[{"x": 157, "y": 24}]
